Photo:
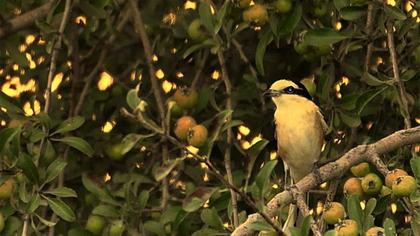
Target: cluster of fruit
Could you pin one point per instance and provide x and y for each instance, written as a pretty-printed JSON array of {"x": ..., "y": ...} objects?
[
  {"x": 186, "y": 128},
  {"x": 258, "y": 14},
  {"x": 397, "y": 182},
  {"x": 96, "y": 224}
]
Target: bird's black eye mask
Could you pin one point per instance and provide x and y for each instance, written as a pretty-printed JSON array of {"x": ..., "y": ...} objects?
[{"x": 301, "y": 91}]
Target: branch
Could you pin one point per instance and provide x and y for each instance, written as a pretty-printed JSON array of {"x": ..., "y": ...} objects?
[
  {"x": 26, "y": 19},
  {"x": 369, "y": 25},
  {"x": 402, "y": 93},
  {"x": 334, "y": 170}
]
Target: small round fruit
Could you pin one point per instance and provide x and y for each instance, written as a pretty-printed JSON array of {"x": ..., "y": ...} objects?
[
  {"x": 117, "y": 228},
  {"x": 375, "y": 231},
  {"x": 95, "y": 224},
  {"x": 186, "y": 98},
  {"x": 197, "y": 136},
  {"x": 371, "y": 183},
  {"x": 182, "y": 127},
  {"x": 244, "y": 3},
  {"x": 353, "y": 186},
  {"x": 257, "y": 14},
  {"x": 360, "y": 170},
  {"x": 321, "y": 10},
  {"x": 6, "y": 189},
  {"x": 403, "y": 186},
  {"x": 195, "y": 32},
  {"x": 267, "y": 233},
  {"x": 283, "y": 6},
  {"x": 333, "y": 213},
  {"x": 1, "y": 222},
  {"x": 347, "y": 228},
  {"x": 385, "y": 191},
  {"x": 115, "y": 151},
  {"x": 392, "y": 175}
]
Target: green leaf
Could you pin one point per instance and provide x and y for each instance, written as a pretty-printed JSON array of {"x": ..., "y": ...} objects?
[
  {"x": 253, "y": 153},
  {"x": 231, "y": 124},
  {"x": 196, "y": 199},
  {"x": 206, "y": 232},
  {"x": 352, "y": 12},
  {"x": 77, "y": 143},
  {"x": 368, "y": 97},
  {"x": 61, "y": 209},
  {"x": 394, "y": 12},
  {"x": 206, "y": 17},
  {"x": 408, "y": 75},
  {"x": 208, "y": 43},
  {"x": 331, "y": 232},
  {"x": 166, "y": 168},
  {"x": 154, "y": 227},
  {"x": 54, "y": 169},
  {"x": 45, "y": 222},
  {"x": 143, "y": 198},
  {"x": 211, "y": 218},
  {"x": 70, "y": 124},
  {"x": 28, "y": 167},
  {"x": 260, "y": 226},
  {"x": 323, "y": 37},
  {"x": 6, "y": 135},
  {"x": 45, "y": 120},
  {"x": 354, "y": 210},
  {"x": 130, "y": 140},
  {"x": 133, "y": 99},
  {"x": 372, "y": 80},
  {"x": 351, "y": 120},
  {"x": 370, "y": 206},
  {"x": 33, "y": 204},
  {"x": 263, "y": 178},
  {"x": 289, "y": 24},
  {"x": 91, "y": 10},
  {"x": 306, "y": 225},
  {"x": 101, "y": 193},
  {"x": 220, "y": 17},
  {"x": 12, "y": 45},
  {"x": 341, "y": 3},
  {"x": 265, "y": 40},
  {"x": 415, "y": 167},
  {"x": 389, "y": 227},
  {"x": 106, "y": 210},
  {"x": 62, "y": 192},
  {"x": 10, "y": 107}
]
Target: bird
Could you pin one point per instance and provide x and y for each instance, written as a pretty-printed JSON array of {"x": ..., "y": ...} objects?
[
  {"x": 300, "y": 127},
  {"x": 299, "y": 130}
]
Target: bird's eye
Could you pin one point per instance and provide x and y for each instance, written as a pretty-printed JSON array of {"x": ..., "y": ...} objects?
[{"x": 289, "y": 89}]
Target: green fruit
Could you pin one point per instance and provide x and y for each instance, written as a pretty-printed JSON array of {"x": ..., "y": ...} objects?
[
  {"x": 283, "y": 6},
  {"x": 115, "y": 151},
  {"x": 353, "y": 186},
  {"x": 371, "y": 183},
  {"x": 91, "y": 199},
  {"x": 117, "y": 228},
  {"x": 347, "y": 228},
  {"x": 186, "y": 98},
  {"x": 6, "y": 189},
  {"x": 182, "y": 127},
  {"x": 321, "y": 10},
  {"x": 310, "y": 85},
  {"x": 385, "y": 191},
  {"x": 393, "y": 175},
  {"x": 301, "y": 48},
  {"x": 375, "y": 231},
  {"x": 257, "y": 14},
  {"x": 360, "y": 170},
  {"x": 1, "y": 222},
  {"x": 333, "y": 213},
  {"x": 176, "y": 110},
  {"x": 195, "y": 32},
  {"x": 95, "y": 224},
  {"x": 197, "y": 136},
  {"x": 403, "y": 186}
]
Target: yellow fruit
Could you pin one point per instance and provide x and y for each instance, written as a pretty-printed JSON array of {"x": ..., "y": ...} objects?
[
  {"x": 353, "y": 186},
  {"x": 371, "y": 183},
  {"x": 360, "y": 170},
  {"x": 186, "y": 98},
  {"x": 6, "y": 189},
  {"x": 117, "y": 228},
  {"x": 403, "y": 186},
  {"x": 347, "y": 228},
  {"x": 283, "y": 6},
  {"x": 257, "y": 14},
  {"x": 1, "y": 222},
  {"x": 375, "y": 231},
  {"x": 115, "y": 151},
  {"x": 392, "y": 175},
  {"x": 195, "y": 32},
  {"x": 182, "y": 127},
  {"x": 95, "y": 224},
  {"x": 333, "y": 212},
  {"x": 197, "y": 136}
]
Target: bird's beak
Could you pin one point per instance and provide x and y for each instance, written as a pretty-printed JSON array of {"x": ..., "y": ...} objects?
[{"x": 272, "y": 93}]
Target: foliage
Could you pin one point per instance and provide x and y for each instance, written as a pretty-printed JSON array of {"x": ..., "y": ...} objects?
[{"x": 118, "y": 157}]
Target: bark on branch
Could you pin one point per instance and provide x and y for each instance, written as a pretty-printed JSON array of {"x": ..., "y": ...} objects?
[{"x": 335, "y": 170}]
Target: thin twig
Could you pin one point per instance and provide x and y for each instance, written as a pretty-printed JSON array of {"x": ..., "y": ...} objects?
[
  {"x": 229, "y": 136},
  {"x": 368, "y": 29},
  {"x": 402, "y": 93},
  {"x": 304, "y": 209},
  {"x": 200, "y": 68}
]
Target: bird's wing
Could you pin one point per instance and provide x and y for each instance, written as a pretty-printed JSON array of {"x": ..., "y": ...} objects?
[{"x": 322, "y": 121}]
